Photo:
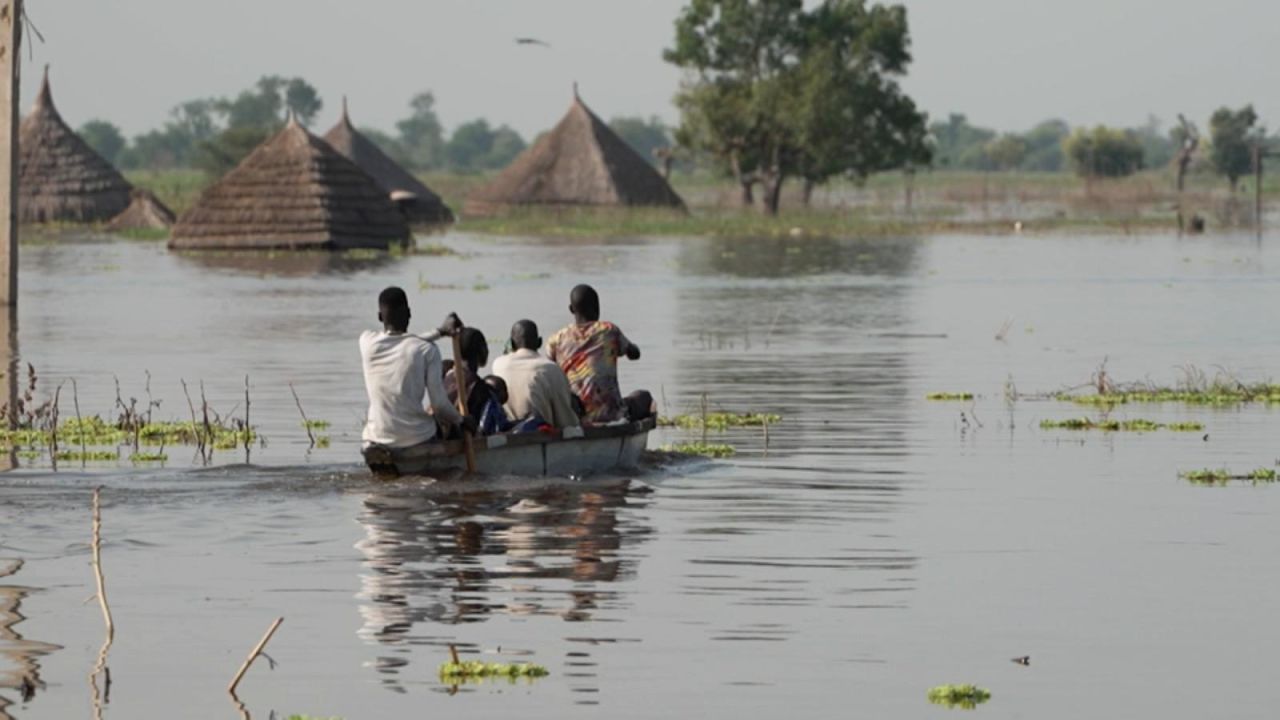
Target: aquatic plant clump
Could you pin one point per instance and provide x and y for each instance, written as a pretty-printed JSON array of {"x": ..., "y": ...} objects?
[
  {"x": 962, "y": 696},
  {"x": 1222, "y": 393},
  {"x": 93, "y": 431},
  {"x": 476, "y": 669},
  {"x": 709, "y": 450},
  {"x": 1135, "y": 425},
  {"x": 946, "y": 397},
  {"x": 1222, "y": 476},
  {"x": 720, "y": 421}
]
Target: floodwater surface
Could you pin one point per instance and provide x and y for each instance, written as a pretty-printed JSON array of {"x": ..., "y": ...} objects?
[{"x": 877, "y": 544}]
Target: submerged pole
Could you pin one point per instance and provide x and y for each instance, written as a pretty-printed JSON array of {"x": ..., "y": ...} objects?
[{"x": 10, "y": 39}]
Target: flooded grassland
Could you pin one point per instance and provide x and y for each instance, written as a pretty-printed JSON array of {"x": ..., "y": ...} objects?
[{"x": 872, "y": 545}]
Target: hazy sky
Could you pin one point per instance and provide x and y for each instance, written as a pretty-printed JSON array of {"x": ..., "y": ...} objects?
[{"x": 1005, "y": 63}]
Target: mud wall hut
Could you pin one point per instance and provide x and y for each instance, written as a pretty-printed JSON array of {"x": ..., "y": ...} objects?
[
  {"x": 419, "y": 202},
  {"x": 293, "y": 191},
  {"x": 61, "y": 178},
  {"x": 580, "y": 162}
]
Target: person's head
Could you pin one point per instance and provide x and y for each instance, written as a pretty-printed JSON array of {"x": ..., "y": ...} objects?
[
  {"x": 524, "y": 336},
  {"x": 499, "y": 388},
  {"x": 584, "y": 303},
  {"x": 393, "y": 309},
  {"x": 475, "y": 348}
]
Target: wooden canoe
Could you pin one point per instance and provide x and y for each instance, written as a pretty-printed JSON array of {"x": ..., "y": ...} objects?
[{"x": 562, "y": 453}]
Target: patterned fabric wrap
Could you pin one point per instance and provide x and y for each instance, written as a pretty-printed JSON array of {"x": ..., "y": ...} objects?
[{"x": 588, "y": 353}]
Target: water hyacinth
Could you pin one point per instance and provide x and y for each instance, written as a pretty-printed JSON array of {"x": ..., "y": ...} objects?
[
  {"x": 1135, "y": 425},
  {"x": 945, "y": 396},
  {"x": 720, "y": 421},
  {"x": 709, "y": 450},
  {"x": 962, "y": 696},
  {"x": 477, "y": 669},
  {"x": 1222, "y": 476}
]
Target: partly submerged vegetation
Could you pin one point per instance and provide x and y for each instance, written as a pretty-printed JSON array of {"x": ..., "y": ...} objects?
[
  {"x": 709, "y": 450},
  {"x": 961, "y": 696},
  {"x": 949, "y": 396},
  {"x": 1223, "y": 391},
  {"x": 720, "y": 421},
  {"x": 1222, "y": 476},
  {"x": 1135, "y": 425},
  {"x": 452, "y": 672}
]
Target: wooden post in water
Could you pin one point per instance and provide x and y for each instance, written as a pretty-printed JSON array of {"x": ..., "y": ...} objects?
[
  {"x": 10, "y": 42},
  {"x": 10, "y": 39},
  {"x": 1257, "y": 187}
]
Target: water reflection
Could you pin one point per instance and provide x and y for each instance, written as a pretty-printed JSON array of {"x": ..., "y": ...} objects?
[
  {"x": 786, "y": 257},
  {"x": 287, "y": 264},
  {"x": 21, "y": 672},
  {"x": 464, "y": 558}
]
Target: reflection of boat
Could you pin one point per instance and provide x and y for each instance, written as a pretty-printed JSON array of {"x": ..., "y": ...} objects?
[{"x": 568, "y": 452}]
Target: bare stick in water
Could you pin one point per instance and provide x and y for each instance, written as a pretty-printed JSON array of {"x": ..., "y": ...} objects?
[
  {"x": 75, "y": 396},
  {"x": 257, "y": 650},
  {"x": 246, "y": 418},
  {"x": 53, "y": 428},
  {"x": 100, "y": 667},
  {"x": 305, "y": 422},
  {"x": 195, "y": 430}
]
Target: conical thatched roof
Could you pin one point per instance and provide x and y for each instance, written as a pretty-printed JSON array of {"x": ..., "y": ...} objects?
[
  {"x": 292, "y": 191},
  {"x": 419, "y": 202},
  {"x": 145, "y": 212},
  {"x": 580, "y": 162},
  {"x": 61, "y": 178}
]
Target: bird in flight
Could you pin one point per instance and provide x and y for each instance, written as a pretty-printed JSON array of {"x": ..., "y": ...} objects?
[
  {"x": 1024, "y": 660},
  {"x": 531, "y": 41}
]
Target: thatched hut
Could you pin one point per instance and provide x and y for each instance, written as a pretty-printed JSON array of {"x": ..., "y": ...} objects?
[
  {"x": 145, "y": 212},
  {"x": 419, "y": 203},
  {"x": 61, "y": 178},
  {"x": 580, "y": 162},
  {"x": 292, "y": 191}
]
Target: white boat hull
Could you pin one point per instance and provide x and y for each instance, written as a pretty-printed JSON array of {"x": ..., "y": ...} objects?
[{"x": 557, "y": 454}]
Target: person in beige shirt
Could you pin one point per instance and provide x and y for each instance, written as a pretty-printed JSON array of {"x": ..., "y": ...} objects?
[{"x": 536, "y": 386}]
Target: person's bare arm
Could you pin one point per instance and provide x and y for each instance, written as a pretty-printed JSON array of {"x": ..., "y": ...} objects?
[{"x": 630, "y": 349}]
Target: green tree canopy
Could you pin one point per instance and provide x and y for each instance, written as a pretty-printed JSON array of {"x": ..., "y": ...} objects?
[
  {"x": 1104, "y": 152},
  {"x": 1232, "y": 135},
  {"x": 959, "y": 144},
  {"x": 105, "y": 138},
  {"x": 643, "y": 135},
  {"x": 421, "y": 134},
  {"x": 1044, "y": 146},
  {"x": 1006, "y": 152},
  {"x": 773, "y": 90}
]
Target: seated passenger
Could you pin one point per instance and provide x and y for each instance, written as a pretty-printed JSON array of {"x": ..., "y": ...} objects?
[
  {"x": 536, "y": 387},
  {"x": 481, "y": 400},
  {"x": 588, "y": 351},
  {"x": 403, "y": 379}
]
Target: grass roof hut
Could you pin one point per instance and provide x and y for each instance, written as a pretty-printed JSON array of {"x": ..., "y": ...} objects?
[
  {"x": 292, "y": 191},
  {"x": 581, "y": 162},
  {"x": 61, "y": 178},
  {"x": 145, "y": 212},
  {"x": 419, "y": 203}
]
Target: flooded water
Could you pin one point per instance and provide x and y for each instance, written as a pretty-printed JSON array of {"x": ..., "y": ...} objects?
[{"x": 878, "y": 545}]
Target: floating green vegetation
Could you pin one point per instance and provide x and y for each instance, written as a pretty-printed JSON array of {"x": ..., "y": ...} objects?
[
  {"x": 1135, "y": 425},
  {"x": 943, "y": 396},
  {"x": 322, "y": 441},
  {"x": 147, "y": 457},
  {"x": 87, "y": 455},
  {"x": 1217, "y": 393},
  {"x": 94, "y": 431},
  {"x": 710, "y": 450},
  {"x": 966, "y": 696},
  {"x": 480, "y": 287},
  {"x": 720, "y": 420},
  {"x": 144, "y": 233},
  {"x": 316, "y": 424},
  {"x": 477, "y": 670},
  {"x": 1222, "y": 476}
]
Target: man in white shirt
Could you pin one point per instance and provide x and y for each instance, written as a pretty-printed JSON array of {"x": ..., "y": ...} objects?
[
  {"x": 536, "y": 386},
  {"x": 404, "y": 378}
]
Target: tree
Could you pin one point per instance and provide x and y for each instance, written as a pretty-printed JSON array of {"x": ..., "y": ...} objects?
[
  {"x": 263, "y": 105},
  {"x": 958, "y": 144},
  {"x": 174, "y": 145},
  {"x": 775, "y": 91},
  {"x": 1006, "y": 152},
  {"x": 505, "y": 145},
  {"x": 224, "y": 151},
  {"x": 644, "y": 136},
  {"x": 1103, "y": 152},
  {"x": 1158, "y": 149},
  {"x": 421, "y": 135},
  {"x": 469, "y": 144},
  {"x": 1232, "y": 136},
  {"x": 105, "y": 139},
  {"x": 1044, "y": 146}
]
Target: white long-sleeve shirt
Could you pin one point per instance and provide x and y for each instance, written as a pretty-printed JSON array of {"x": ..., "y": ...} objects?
[
  {"x": 535, "y": 384},
  {"x": 405, "y": 383}
]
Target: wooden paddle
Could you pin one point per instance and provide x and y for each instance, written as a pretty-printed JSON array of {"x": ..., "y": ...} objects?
[{"x": 460, "y": 378}]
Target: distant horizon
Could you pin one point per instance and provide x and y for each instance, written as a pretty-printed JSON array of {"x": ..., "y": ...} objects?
[{"x": 1004, "y": 64}]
